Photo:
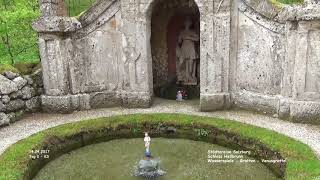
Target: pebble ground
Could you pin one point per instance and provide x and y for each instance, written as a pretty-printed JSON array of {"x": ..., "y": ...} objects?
[{"x": 33, "y": 123}]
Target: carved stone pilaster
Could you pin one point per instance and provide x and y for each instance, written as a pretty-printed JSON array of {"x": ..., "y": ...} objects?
[
  {"x": 136, "y": 33},
  {"x": 215, "y": 55},
  {"x": 300, "y": 86}
]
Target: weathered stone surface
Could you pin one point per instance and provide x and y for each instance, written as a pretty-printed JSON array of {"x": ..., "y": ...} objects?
[
  {"x": 7, "y": 86},
  {"x": 56, "y": 24},
  {"x": 16, "y": 94},
  {"x": 136, "y": 100},
  {"x": 2, "y": 107},
  {"x": 27, "y": 92},
  {"x": 20, "y": 82},
  {"x": 104, "y": 100},
  {"x": 214, "y": 102},
  {"x": 12, "y": 117},
  {"x": 33, "y": 104},
  {"x": 5, "y": 99},
  {"x": 29, "y": 79},
  {"x": 39, "y": 91},
  {"x": 306, "y": 12},
  {"x": 10, "y": 75},
  {"x": 61, "y": 104},
  {"x": 81, "y": 101},
  {"x": 305, "y": 112},
  {"x": 37, "y": 78},
  {"x": 15, "y": 105},
  {"x": 256, "y": 102},
  {"x": 4, "y": 120},
  {"x": 265, "y": 7}
]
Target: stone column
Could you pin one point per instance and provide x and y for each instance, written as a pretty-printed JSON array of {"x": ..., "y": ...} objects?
[
  {"x": 55, "y": 52},
  {"x": 136, "y": 33},
  {"x": 215, "y": 56},
  {"x": 299, "y": 101}
]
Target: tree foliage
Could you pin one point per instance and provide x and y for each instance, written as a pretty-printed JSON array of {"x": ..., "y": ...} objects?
[{"x": 18, "y": 41}]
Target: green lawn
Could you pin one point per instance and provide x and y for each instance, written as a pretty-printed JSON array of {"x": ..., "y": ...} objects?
[{"x": 302, "y": 162}]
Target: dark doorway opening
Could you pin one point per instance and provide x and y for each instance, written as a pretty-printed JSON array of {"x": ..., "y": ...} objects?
[{"x": 169, "y": 40}]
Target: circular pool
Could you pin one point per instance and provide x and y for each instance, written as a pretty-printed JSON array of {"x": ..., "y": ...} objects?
[{"x": 181, "y": 159}]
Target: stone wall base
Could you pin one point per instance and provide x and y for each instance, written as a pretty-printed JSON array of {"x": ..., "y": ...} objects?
[
  {"x": 65, "y": 104},
  {"x": 212, "y": 102},
  {"x": 137, "y": 99},
  {"x": 278, "y": 106},
  {"x": 70, "y": 103}
]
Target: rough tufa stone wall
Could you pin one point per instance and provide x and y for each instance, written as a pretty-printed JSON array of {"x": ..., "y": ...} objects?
[
  {"x": 19, "y": 94},
  {"x": 254, "y": 55}
]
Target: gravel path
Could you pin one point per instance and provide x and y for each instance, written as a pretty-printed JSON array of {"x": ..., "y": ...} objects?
[{"x": 34, "y": 123}]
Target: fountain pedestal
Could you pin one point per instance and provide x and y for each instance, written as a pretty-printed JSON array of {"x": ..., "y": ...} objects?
[{"x": 149, "y": 168}]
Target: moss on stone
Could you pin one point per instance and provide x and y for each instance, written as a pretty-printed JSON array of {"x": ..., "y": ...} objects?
[
  {"x": 25, "y": 68},
  {"x": 19, "y": 114},
  {"x": 7, "y": 67}
]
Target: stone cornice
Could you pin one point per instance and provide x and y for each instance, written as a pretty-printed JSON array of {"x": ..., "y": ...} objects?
[
  {"x": 54, "y": 24},
  {"x": 301, "y": 12}
]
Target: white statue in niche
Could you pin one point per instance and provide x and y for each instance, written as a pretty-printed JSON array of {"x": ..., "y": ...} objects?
[{"x": 186, "y": 53}]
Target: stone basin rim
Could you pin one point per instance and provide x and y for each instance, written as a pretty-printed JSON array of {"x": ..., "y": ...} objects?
[{"x": 168, "y": 129}]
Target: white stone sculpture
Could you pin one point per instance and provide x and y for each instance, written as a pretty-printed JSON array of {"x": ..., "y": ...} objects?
[
  {"x": 187, "y": 53},
  {"x": 147, "y": 141}
]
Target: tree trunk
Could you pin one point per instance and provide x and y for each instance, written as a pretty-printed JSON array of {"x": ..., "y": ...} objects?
[{"x": 8, "y": 45}]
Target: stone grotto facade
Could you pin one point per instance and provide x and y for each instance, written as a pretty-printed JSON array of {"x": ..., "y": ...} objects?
[{"x": 253, "y": 55}]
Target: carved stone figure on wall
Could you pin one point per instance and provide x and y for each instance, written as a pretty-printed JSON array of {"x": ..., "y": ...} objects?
[{"x": 186, "y": 53}]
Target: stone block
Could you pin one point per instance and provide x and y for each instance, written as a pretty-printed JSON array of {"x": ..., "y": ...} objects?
[
  {"x": 59, "y": 104},
  {"x": 136, "y": 100},
  {"x": 256, "y": 102},
  {"x": 5, "y": 99},
  {"x": 305, "y": 112},
  {"x": 81, "y": 101},
  {"x": 2, "y": 107},
  {"x": 104, "y": 100},
  {"x": 10, "y": 75},
  {"x": 20, "y": 82},
  {"x": 7, "y": 86},
  {"x": 29, "y": 79},
  {"x": 4, "y": 119},
  {"x": 27, "y": 92},
  {"x": 212, "y": 102},
  {"x": 12, "y": 117},
  {"x": 16, "y": 94},
  {"x": 284, "y": 108},
  {"x": 15, "y": 105},
  {"x": 33, "y": 104}
]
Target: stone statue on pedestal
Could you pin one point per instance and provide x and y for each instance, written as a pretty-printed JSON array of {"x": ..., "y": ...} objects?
[
  {"x": 186, "y": 54},
  {"x": 147, "y": 141}
]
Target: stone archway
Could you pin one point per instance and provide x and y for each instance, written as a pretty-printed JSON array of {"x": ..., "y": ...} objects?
[{"x": 167, "y": 22}]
